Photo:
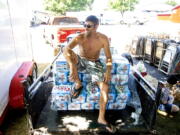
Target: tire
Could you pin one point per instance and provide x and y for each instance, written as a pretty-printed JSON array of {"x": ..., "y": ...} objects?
[{"x": 34, "y": 75}]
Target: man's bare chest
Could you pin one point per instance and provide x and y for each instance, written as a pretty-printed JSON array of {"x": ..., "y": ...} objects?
[{"x": 92, "y": 45}]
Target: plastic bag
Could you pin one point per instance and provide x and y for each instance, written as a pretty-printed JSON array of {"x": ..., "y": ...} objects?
[{"x": 141, "y": 68}]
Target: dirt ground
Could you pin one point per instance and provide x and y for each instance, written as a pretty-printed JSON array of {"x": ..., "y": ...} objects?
[{"x": 16, "y": 122}]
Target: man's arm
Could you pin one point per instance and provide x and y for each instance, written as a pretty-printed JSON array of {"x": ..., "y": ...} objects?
[
  {"x": 108, "y": 60},
  {"x": 72, "y": 44}
]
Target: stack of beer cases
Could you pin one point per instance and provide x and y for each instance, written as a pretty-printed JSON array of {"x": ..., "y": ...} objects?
[{"x": 90, "y": 95}]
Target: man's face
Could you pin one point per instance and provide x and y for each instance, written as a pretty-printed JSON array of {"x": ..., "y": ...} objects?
[{"x": 90, "y": 26}]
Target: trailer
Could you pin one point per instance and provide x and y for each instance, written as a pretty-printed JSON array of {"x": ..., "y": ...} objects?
[{"x": 16, "y": 56}]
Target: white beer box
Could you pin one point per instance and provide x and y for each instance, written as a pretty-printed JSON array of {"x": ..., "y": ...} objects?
[
  {"x": 60, "y": 78},
  {"x": 61, "y": 97},
  {"x": 116, "y": 106},
  {"x": 61, "y": 66},
  {"x": 118, "y": 79},
  {"x": 96, "y": 106},
  {"x": 81, "y": 98},
  {"x": 123, "y": 97},
  {"x": 92, "y": 88},
  {"x": 93, "y": 98},
  {"x": 86, "y": 78},
  {"x": 111, "y": 97},
  {"x": 74, "y": 106},
  {"x": 87, "y": 106},
  {"x": 121, "y": 88},
  {"x": 56, "y": 105},
  {"x": 64, "y": 88}
]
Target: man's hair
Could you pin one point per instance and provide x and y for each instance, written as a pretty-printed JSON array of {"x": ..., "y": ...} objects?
[{"x": 93, "y": 19}]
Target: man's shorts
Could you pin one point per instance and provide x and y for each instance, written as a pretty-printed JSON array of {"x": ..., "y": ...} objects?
[{"x": 94, "y": 69}]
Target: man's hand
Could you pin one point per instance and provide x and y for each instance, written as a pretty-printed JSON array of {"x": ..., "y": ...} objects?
[{"x": 107, "y": 76}]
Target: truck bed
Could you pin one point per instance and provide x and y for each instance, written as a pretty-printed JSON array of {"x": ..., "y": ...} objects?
[
  {"x": 44, "y": 120},
  {"x": 82, "y": 121}
]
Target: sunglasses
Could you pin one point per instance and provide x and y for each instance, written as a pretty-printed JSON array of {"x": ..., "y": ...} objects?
[{"x": 88, "y": 26}]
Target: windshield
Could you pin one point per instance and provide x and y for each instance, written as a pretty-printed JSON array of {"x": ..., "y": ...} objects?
[{"x": 65, "y": 21}]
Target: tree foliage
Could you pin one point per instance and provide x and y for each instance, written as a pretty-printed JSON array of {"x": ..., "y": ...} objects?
[
  {"x": 171, "y": 2},
  {"x": 61, "y": 6},
  {"x": 122, "y": 5}
]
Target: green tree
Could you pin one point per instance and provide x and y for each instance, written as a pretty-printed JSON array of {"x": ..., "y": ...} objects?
[
  {"x": 122, "y": 5},
  {"x": 171, "y": 2},
  {"x": 61, "y": 6}
]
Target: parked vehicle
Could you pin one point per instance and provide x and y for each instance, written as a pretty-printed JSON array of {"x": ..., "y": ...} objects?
[
  {"x": 50, "y": 113},
  {"x": 16, "y": 58},
  {"x": 59, "y": 27}
]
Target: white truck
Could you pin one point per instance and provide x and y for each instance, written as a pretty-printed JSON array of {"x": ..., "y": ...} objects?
[{"x": 16, "y": 55}]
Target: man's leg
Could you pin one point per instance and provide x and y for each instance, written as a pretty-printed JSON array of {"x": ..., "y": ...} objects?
[
  {"x": 103, "y": 101},
  {"x": 72, "y": 60}
]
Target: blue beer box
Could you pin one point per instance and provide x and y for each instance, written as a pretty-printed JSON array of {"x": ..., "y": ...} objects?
[
  {"x": 81, "y": 98},
  {"x": 61, "y": 66},
  {"x": 96, "y": 106},
  {"x": 116, "y": 106},
  {"x": 119, "y": 79},
  {"x": 74, "y": 106},
  {"x": 122, "y": 66},
  {"x": 111, "y": 97},
  {"x": 61, "y": 78},
  {"x": 61, "y": 97},
  {"x": 56, "y": 105},
  {"x": 93, "y": 98},
  {"x": 112, "y": 88},
  {"x": 92, "y": 88},
  {"x": 121, "y": 88},
  {"x": 63, "y": 88},
  {"x": 123, "y": 97},
  {"x": 87, "y": 106}
]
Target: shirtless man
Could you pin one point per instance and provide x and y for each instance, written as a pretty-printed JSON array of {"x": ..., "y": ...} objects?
[{"x": 90, "y": 43}]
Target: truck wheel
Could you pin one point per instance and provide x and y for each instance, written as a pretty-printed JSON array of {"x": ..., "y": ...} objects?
[
  {"x": 29, "y": 125},
  {"x": 33, "y": 77}
]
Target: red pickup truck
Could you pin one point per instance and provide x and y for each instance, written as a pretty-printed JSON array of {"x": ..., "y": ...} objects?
[{"x": 59, "y": 27}]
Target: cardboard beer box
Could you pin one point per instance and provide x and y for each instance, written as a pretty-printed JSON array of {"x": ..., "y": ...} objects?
[
  {"x": 93, "y": 98},
  {"x": 96, "y": 106},
  {"x": 61, "y": 66},
  {"x": 56, "y": 105},
  {"x": 123, "y": 97},
  {"x": 61, "y": 97},
  {"x": 121, "y": 88},
  {"x": 118, "y": 79},
  {"x": 122, "y": 66},
  {"x": 111, "y": 97},
  {"x": 74, "y": 106},
  {"x": 64, "y": 88},
  {"x": 112, "y": 88},
  {"x": 81, "y": 98},
  {"x": 116, "y": 106},
  {"x": 61, "y": 78},
  {"x": 87, "y": 106},
  {"x": 91, "y": 88}
]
